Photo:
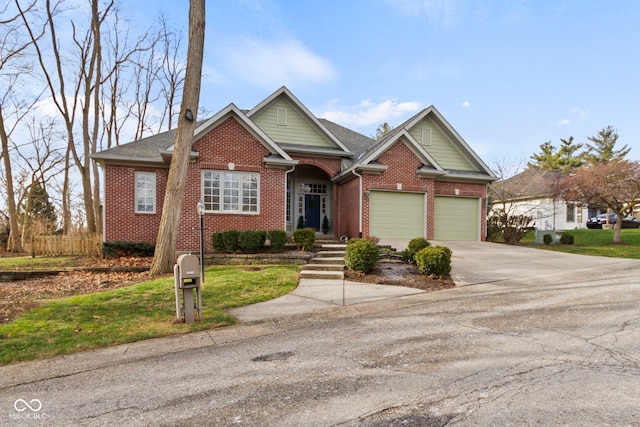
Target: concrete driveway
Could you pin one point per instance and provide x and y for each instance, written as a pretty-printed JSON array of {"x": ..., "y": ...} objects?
[{"x": 531, "y": 338}]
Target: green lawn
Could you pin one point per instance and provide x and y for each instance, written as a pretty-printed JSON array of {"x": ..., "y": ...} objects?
[
  {"x": 137, "y": 312},
  {"x": 597, "y": 242}
]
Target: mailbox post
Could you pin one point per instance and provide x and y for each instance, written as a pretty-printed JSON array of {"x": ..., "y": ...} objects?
[{"x": 187, "y": 279}]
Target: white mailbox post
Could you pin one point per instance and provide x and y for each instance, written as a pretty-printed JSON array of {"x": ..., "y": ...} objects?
[{"x": 187, "y": 278}]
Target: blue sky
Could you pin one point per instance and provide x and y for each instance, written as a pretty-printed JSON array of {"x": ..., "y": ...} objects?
[{"x": 508, "y": 75}]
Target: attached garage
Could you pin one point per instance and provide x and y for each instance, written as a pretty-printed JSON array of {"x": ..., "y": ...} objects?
[
  {"x": 396, "y": 214},
  {"x": 457, "y": 218}
]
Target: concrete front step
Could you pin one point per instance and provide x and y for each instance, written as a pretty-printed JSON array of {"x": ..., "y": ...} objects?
[
  {"x": 333, "y": 254},
  {"x": 327, "y": 260},
  {"x": 313, "y": 274},
  {"x": 324, "y": 267},
  {"x": 334, "y": 246}
]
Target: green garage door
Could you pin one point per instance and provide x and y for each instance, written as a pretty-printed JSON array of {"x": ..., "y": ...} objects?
[
  {"x": 395, "y": 214},
  {"x": 456, "y": 218}
]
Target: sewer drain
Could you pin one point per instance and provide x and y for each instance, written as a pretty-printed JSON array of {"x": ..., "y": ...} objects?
[{"x": 281, "y": 355}]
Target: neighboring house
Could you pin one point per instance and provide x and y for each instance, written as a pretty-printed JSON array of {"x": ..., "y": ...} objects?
[
  {"x": 531, "y": 193},
  {"x": 264, "y": 168}
]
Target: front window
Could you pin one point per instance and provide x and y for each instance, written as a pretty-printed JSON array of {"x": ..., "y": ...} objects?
[
  {"x": 145, "y": 192},
  {"x": 230, "y": 191},
  {"x": 571, "y": 212}
]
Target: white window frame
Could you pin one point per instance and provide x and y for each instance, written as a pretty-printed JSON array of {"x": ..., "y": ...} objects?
[
  {"x": 234, "y": 192},
  {"x": 145, "y": 191}
]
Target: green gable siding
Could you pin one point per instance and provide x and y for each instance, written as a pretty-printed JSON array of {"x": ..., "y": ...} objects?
[
  {"x": 298, "y": 130},
  {"x": 441, "y": 149}
]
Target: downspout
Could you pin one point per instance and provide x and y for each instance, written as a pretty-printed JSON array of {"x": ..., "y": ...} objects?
[
  {"x": 360, "y": 204},
  {"x": 286, "y": 180}
]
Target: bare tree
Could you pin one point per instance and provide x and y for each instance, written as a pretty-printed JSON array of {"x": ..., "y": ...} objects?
[
  {"x": 174, "y": 194},
  {"x": 12, "y": 68}
]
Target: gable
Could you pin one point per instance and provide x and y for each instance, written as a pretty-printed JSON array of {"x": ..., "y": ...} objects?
[
  {"x": 285, "y": 124},
  {"x": 430, "y": 136}
]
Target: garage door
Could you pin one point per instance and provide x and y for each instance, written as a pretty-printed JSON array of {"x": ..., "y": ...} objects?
[
  {"x": 394, "y": 214},
  {"x": 456, "y": 218}
]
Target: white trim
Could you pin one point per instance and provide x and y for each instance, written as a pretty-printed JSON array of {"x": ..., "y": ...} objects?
[
  {"x": 221, "y": 188},
  {"x": 136, "y": 195}
]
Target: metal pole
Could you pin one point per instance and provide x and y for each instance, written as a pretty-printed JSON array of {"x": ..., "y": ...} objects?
[{"x": 202, "y": 247}]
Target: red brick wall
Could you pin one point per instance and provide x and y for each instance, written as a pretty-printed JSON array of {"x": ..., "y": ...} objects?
[
  {"x": 347, "y": 200},
  {"x": 121, "y": 221},
  {"x": 228, "y": 142}
]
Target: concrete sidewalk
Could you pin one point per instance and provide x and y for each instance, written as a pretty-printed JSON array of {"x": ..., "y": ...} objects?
[{"x": 316, "y": 294}]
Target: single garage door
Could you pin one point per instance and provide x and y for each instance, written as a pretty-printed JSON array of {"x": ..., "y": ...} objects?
[
  {"x": 396, "y": 214},
  {"x": 457, "y": 218}
]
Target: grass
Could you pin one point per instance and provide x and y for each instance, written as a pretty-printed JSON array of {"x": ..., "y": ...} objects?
[
  {"x": 137, "y": 312},
  {"x": 597, "y": 242}
]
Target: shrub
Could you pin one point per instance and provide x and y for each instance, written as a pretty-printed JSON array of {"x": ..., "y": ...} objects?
[
  {"x": 361, "y": 255},
  {"x": 251, "y": 241},
  {"x": 230, "y": 240},
  {"x": 305, "y": 238},
  {"x": 547, "y": 239},
  {"x": 300, "y": 225},
  {"x": 278, "y": 239},
  {"x": 118, "y": 249},
  {"x": 416, "y": 244},
  {"x": 325, "y": 225},
  {"x": 217, "y": 242},
  {"x": 567, "y": 239},
  {"x": 434, "y": 260}
]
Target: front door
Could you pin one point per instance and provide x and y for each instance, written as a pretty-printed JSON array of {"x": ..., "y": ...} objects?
[{"x": 312, "y": 211}]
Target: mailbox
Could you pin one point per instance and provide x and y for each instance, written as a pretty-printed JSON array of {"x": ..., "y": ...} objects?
[
  {"x": 187, "y": 278},
  {"x": 189, "y": 269}
]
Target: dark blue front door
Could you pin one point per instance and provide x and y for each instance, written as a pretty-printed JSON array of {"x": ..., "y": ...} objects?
[{"x": 312, "y": 210}]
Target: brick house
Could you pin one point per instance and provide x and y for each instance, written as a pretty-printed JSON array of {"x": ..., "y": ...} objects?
[{"x": 264, "y": 168}]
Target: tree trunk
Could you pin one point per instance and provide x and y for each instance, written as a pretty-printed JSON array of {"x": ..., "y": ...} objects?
[
  {"x": 171, "y": 211},
  {"x": 617, "y": 227},
  {"x": 14, "y": 244}
]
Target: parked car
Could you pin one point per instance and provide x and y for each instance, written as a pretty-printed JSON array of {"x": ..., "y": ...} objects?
[{"x": 597, "y": 221}]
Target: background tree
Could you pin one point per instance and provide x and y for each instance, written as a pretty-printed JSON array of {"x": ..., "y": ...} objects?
[
  {"x": 171, "y": 211},
  {"x": 382, "y": 130},
  {"x": 614, "y": 184},
  {"x": 507, "y": 220},
  {"x": 566, "y": 158},
  {"x": 603, "y": 145}
]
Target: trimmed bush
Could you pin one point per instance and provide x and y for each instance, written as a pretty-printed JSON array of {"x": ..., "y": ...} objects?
[
  {"x": 567, "y": 239},
  {"x": 251, "y": 241},
  {"x": 300, "y": 225},
  {"x": 217, "y": 242},
  {"x": 416, "y": 244},
  {"x": 305, "y": 238},
  {"x": 278, "y": 239},
  {"x": 434, "y": 260},
  {"x": 547, "y": 239},
  {"x": 361, "y": 255},
  {"x": 118, "y": 249},
  {"x": 230, "y": 240}
]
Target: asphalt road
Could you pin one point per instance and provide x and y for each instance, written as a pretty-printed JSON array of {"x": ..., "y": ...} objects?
[{"x": 558, "y": 344}]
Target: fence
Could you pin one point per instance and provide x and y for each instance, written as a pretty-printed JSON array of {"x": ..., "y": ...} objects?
[{"x": 90, "y": 245}]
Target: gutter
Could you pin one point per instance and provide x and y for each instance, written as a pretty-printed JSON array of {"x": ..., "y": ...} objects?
[{"x": 353, "y": 171}]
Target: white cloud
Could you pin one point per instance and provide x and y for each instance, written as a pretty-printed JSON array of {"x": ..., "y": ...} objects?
[
  {"x": 581, "y": 113},
  {"x": 368, "y": 113},
  {"x": 564, "y": 122},
  {"x": 445, "y": 12},
  {"x": 466, "y": 104},
  {"x": 267, "y": 64}
]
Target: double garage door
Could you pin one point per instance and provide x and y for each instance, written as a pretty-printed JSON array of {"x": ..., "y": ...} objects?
[{"x": 402, "y": 215}]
